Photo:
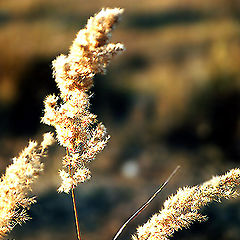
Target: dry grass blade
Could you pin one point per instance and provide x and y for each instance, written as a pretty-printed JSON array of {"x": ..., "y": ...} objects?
[{"x": 146, "y": 203}]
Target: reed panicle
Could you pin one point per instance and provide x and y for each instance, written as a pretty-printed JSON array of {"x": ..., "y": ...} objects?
[
  {"x": 182, "y": 209},
  {"x": 15, "y": 184},
  {"x": 76, "y": 127}
]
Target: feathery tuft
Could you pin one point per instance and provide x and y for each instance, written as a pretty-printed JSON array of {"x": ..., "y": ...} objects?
[{"x": 76, "y": 127}]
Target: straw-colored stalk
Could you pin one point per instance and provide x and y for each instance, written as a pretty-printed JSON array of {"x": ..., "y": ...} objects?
[{"x": 76, "y": 127}]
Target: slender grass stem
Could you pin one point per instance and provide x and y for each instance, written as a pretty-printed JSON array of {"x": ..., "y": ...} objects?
[
  {"x": 145, "y": 204},
  {"x": 76, "y": 215}
]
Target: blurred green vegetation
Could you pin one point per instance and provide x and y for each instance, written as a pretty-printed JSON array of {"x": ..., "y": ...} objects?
[{"x": 172, "y": 98}]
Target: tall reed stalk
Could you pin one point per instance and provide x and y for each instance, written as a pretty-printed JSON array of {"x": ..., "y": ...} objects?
[{"x": 77, "y": 129}]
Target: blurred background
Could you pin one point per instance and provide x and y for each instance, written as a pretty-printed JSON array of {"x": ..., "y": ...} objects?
[{"x": 172, "y": 98}]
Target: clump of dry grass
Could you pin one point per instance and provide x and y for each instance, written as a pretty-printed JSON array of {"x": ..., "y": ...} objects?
[{"x": 16, "y": 183}]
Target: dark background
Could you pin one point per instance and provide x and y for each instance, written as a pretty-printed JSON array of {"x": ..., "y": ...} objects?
[{"x": 173, "y": 98}]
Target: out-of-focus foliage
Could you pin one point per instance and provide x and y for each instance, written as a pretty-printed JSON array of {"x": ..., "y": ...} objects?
[{"x": 172, "y": 98}]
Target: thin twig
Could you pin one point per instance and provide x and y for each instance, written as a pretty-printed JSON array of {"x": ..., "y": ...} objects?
[
  {"x": 146, "y": 203},
  {"x": 76, "y": 215}
]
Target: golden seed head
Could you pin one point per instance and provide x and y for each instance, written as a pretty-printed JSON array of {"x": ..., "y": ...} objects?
[{"x": 76, "y": 127}]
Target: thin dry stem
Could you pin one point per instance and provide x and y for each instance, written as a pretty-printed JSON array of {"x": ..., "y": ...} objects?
[
  {"x": 146, "y": 203},
  {"x": 76, "y": 215}
]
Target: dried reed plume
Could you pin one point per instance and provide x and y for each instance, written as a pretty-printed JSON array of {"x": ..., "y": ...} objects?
[
  {"x": 16, "y": 183},
  {"x": 76, "y": 127},
  {"x": 182, "y": 209}
]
